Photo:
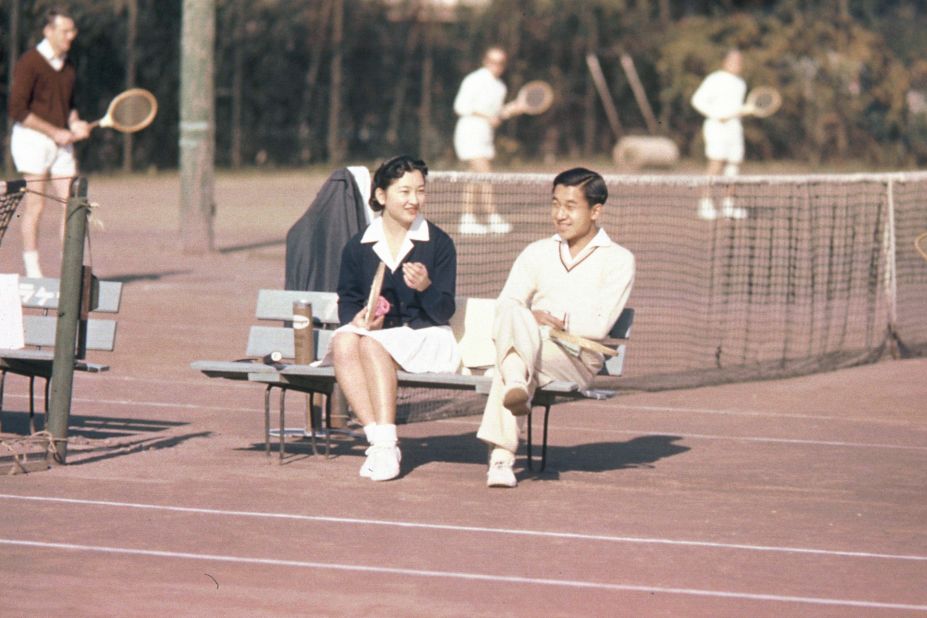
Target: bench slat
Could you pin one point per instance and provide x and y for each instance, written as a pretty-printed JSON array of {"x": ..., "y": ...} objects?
[
  {"x": 231, "y": 370},
  {"x": 39, "y": 330},
  {"x": 278, "y": 305},
  {"x": 43, "y": 293},
  {"x": 263, "y": 340}
]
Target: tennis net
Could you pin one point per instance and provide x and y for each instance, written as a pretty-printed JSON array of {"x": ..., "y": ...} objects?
[
  {"x": 822, "y": 273},
  {"x": 11, "y": 193}
]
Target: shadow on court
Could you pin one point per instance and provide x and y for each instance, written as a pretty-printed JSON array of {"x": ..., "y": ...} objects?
[
  {"x": 639, "y": 452},
  {"x": 97, "y": 438},
  {"x": 156, "y": 276}
]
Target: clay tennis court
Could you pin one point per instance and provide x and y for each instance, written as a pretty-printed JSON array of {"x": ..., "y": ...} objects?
[{"x": 796, "y": 497}]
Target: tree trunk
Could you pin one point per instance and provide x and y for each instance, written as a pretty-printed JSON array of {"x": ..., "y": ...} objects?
[
  {"x": 424, "y": 136},
  {"x": 590, "y": 127},
  {"x": 12, "y": 55},
  {"x": 402, "y": 85},
  {"x": 238, "y": 67},
  {"x": 306, "y": 115},
  {"x": 131, "y": 38},
  {"x": 197, "y": 125},
  {"x": 335, "y": 144}
]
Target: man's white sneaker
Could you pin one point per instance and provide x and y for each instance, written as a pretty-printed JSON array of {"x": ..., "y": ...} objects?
[
  {"x": 498, "y": 225},
  {"x": 730, "y": 211},
  {"x": 500, "y": 474},
  {"x": 382, "y": 463},
  {"x": 706, "y": 209},
  {"x": 469, "y": 225}
]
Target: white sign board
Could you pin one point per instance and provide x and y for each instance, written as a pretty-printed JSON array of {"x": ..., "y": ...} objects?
[{"x": 11, "y": 313}]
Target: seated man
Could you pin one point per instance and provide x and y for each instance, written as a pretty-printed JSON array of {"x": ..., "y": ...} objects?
[{"x": 576, "y": 281}]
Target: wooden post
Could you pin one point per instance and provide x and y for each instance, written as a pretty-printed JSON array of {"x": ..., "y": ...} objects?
[
  {"x": 66, "y": 328},
  {"x": 197, "y": 126}
]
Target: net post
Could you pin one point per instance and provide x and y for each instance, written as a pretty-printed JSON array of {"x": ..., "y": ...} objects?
[{"x": 66, "y": 329}]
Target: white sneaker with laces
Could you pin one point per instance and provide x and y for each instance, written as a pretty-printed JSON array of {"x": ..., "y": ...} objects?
[
  {"x": 382, "y": 463},
  {"x": 498, "y": 225},
  {"x": 500, "y": 474},
  {"x": 706, "y": 209},
  {"x": 730, "y": 211},
  {"x": 469, "y": 225},
  {"x": 371, "y": 464}
]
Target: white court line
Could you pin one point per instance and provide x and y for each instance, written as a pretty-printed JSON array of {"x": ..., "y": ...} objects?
[
  {"x": 481, "y": 529},
  {"x": 584, "y": 429},
  {"x": 514, "y": 579},
  {"x": 755, "y": 413},
  {"x": 147, "y": 404},
  {"x": 706, "y": 436}
]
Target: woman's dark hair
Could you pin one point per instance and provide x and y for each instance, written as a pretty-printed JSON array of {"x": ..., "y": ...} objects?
[
  {"x": 389, "y": 172},
  {"x": 592, "y": 184}
]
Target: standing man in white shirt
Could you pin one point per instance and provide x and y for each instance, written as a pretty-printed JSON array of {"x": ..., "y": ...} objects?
[
  {"x": 720, "y": 98},
  {"x": 480, "y": 105},
  {"x": 46, "y": 125},
  {"x": 577, "y": 281}
]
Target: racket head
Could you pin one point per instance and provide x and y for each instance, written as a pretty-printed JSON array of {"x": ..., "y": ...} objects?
[
  {"x": 920, "y": 243},
  {"x": 763, "y": 101},
  {"x": 131, "y": 111},
  {"x": 536, "y": 97}
]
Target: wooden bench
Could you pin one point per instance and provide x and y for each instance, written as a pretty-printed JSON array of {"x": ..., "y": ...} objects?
[
  {"x": 39, "y": 301},
  {"x": 470, "y": 325}
]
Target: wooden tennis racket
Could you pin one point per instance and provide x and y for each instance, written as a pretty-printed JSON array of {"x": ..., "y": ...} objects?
[
  {"x": 763, "y": 101},
  {"x": 920, "y": 243},
  {"x": 582, "y": 342},
  {"x": 129, "y": 111},
  {"x": 533, "y": 98},
  {"x": 374, "y": 295}
]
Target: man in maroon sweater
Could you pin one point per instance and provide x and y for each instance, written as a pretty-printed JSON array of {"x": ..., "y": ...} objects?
[{"x": 46, "y": 125}]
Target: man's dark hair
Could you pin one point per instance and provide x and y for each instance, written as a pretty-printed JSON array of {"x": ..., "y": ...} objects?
[
  {"x": 53, "y": 12},
  {"x": 389, "y": 172},
  {"x": 592, "y": 184}
]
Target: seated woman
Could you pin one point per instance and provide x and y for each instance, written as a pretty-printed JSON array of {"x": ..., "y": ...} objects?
[{"x": 410, "y": 328}]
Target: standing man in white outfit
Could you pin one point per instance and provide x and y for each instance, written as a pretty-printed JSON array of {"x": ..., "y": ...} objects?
[
  {"x": 578, "y": 281},
  {"x": 480, "y": 105},
  {"x": 720, "y": 98}
]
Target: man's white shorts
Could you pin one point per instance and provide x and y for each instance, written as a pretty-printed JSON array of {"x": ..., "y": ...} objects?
[
  {"x": 724, "y": 141},
  {"x": 35, "y": 153}
]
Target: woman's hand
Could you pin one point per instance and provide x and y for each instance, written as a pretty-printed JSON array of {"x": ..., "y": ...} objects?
[
  {"x": 374, "y": 324},
  {"x": 416, "y": 276}
]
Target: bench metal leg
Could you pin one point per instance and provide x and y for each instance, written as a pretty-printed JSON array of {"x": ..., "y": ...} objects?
[
  {"x": 2, "y": 382},
  {"x": 267, "y": 420},
  {"x": 529, "y": 442},
  {"x": 544, "y": 445},
  {"x": 313, "y": 425},
  {"x": 326, "y": 422},
  {"x": 282, "y": 421},
  {"x": 31, "y": 404}
]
